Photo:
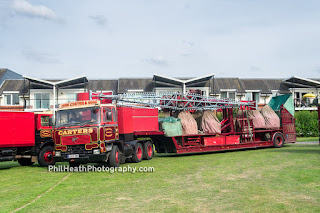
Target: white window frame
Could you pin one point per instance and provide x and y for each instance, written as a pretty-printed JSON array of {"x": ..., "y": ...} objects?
[
  {"x": 34, "y": 99},
  {"x": 228, "y": 91},
  {"x": 11, "y": 98},
  {"x": 75, "y": 98}
]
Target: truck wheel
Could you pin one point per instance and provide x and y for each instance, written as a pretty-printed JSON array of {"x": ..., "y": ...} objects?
[
  {"x": 25, "y": 161},
  {"x": 138, "y": 155},
  {"x": 45, "y": 157},
  {"x": 278, "y": 140},
  {"x": 114, "y": 158},
  {"x": 148, "y": 151}
]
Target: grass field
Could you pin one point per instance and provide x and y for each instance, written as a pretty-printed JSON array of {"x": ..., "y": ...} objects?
[
  {"x": 260, "y": 180},
  {"x": 306, "y": 139}
]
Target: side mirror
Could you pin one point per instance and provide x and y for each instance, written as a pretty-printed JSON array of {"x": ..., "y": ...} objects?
[{"x": 50, "y": 122}]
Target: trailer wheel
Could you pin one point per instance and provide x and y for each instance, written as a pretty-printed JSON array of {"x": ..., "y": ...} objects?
[
  {"x": 278, "y": 140},
  {"x": 148, "y": 151},
  {"x": 138, "y": 154},
  {"x": 114, "y": 158},
  {"x": 25, "y": 161},
  {"x": 45, "y": 157}
]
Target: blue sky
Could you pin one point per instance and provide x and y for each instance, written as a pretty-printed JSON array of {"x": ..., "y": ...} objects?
[{"x": 179, "y": 38}]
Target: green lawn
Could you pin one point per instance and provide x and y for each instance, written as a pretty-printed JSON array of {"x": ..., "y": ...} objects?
[
  {"x": 261, "y": 180},
  {"x": 306, "y": 139}
]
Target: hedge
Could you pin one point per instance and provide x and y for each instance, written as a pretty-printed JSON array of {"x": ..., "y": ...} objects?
[{"x": 307, "y": 123}]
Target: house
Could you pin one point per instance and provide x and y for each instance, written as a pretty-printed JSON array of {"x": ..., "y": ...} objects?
[{"x": 9, "y": 97}]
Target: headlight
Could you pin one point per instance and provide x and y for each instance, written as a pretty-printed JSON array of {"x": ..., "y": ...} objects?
[
  {"x": 58, "y": 154},
  {"x": 96, "y": 151}
]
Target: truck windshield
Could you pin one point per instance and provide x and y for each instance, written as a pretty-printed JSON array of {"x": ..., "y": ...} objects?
[{"x": 79, "y": 116}]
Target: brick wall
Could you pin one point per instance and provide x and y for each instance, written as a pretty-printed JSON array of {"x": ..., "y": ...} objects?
[{"x": 11, "y": 108}]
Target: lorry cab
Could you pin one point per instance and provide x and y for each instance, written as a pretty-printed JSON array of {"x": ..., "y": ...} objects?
[
  {"x": 85, "y": 127},
  {"x": 27, "y": 138}
]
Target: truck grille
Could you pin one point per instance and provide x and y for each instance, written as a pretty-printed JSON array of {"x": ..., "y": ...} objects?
[{"x": 78, "y": 149}]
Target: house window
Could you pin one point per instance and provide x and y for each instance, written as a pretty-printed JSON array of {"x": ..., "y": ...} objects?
[
  {"x": 253, "y": 96},
  {"x": 11, "y": 99},
  {"x": 224, "y": 94},
  {"x": 249, "y": 96},
  {"x": 71, "y": 97},
  {"x": 230, "y": 95},
  {"x": 42, "y": 100},
  {"x": 256, "y": 96}
]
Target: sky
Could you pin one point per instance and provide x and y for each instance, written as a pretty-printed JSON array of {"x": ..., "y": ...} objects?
[{"x": 104, "y": 39}]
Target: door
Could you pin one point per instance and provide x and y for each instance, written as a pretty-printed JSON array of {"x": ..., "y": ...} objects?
[
  {"x": 288, "y": 125},
  {"x": 110, "y": 127}
]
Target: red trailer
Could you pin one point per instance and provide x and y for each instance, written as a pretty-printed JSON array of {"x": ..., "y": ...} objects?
[
  {"x": 26, "y": 137},
  {"x": 88, "y": 131}
]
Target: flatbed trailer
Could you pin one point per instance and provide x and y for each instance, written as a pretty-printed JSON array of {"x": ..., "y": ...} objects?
[{"x": 230, "y": 140}]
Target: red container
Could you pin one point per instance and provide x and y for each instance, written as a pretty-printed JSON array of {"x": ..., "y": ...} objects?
[
  {"x": 17, "y": 129},
  {"x": 125, "y": 122},
  {"x": 135, "y": 119},
  {"x": 233, "y": 139},
  {"x": 84, "y": 96},
  {"x": 209, "y": 141},
  {"x": 145, "y": 119}
]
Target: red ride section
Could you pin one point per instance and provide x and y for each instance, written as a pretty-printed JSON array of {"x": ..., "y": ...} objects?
[
  {"x": 132, "y": 120},
  {"x": 17, "y": 129},
  {"x": 145, "y": 119}
]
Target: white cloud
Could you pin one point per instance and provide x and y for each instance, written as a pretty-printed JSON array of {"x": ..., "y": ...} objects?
[
  {"x": 158, "y": 61},
  {"x": 23, "y": 7},
  {"x": 99, "y": 19},
  {"x": 41, "y": 57}
]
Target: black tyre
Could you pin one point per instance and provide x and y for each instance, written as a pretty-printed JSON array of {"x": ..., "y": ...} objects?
[
  {"x": 138, "y": 154},
  {"x": 74, "y": 164},
  {"x": 45, "y": 157},
  {"x": 25, "y": 161},
  {"x": 147, "y": 151},
  {"x": 114, "y": 158},
  {"x": 278, "y": 140}
]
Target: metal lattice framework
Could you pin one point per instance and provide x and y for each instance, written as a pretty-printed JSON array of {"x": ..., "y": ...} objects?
[{"x": 174, "y": 101}]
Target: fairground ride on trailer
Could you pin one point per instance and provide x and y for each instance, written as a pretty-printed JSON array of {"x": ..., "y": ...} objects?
[{"x": 93, "y": 129}]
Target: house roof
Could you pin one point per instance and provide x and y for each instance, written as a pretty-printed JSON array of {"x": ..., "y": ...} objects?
[
  {"x": 2, "y": 72},
  {"x": 228, "y": 83},
  {"x": 143, "y": 84},
  {"x": 72, "y": 82},
  {"x": 180, "y": 82},
  {"x": 302, "y": 82},
  {"x": 124, "y": 85},
  {"x": 12, "y": 85},
  {"x": 265, "y": 85},
  {"x": 97, "y": 85}
]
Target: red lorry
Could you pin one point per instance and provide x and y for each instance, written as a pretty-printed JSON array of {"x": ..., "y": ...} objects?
[
  {"x": 88, "y": 131},
  {"x": 26, "y": 137}
]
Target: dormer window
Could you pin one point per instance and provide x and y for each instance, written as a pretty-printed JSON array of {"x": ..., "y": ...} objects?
[{"x": 11, "y": 99}]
